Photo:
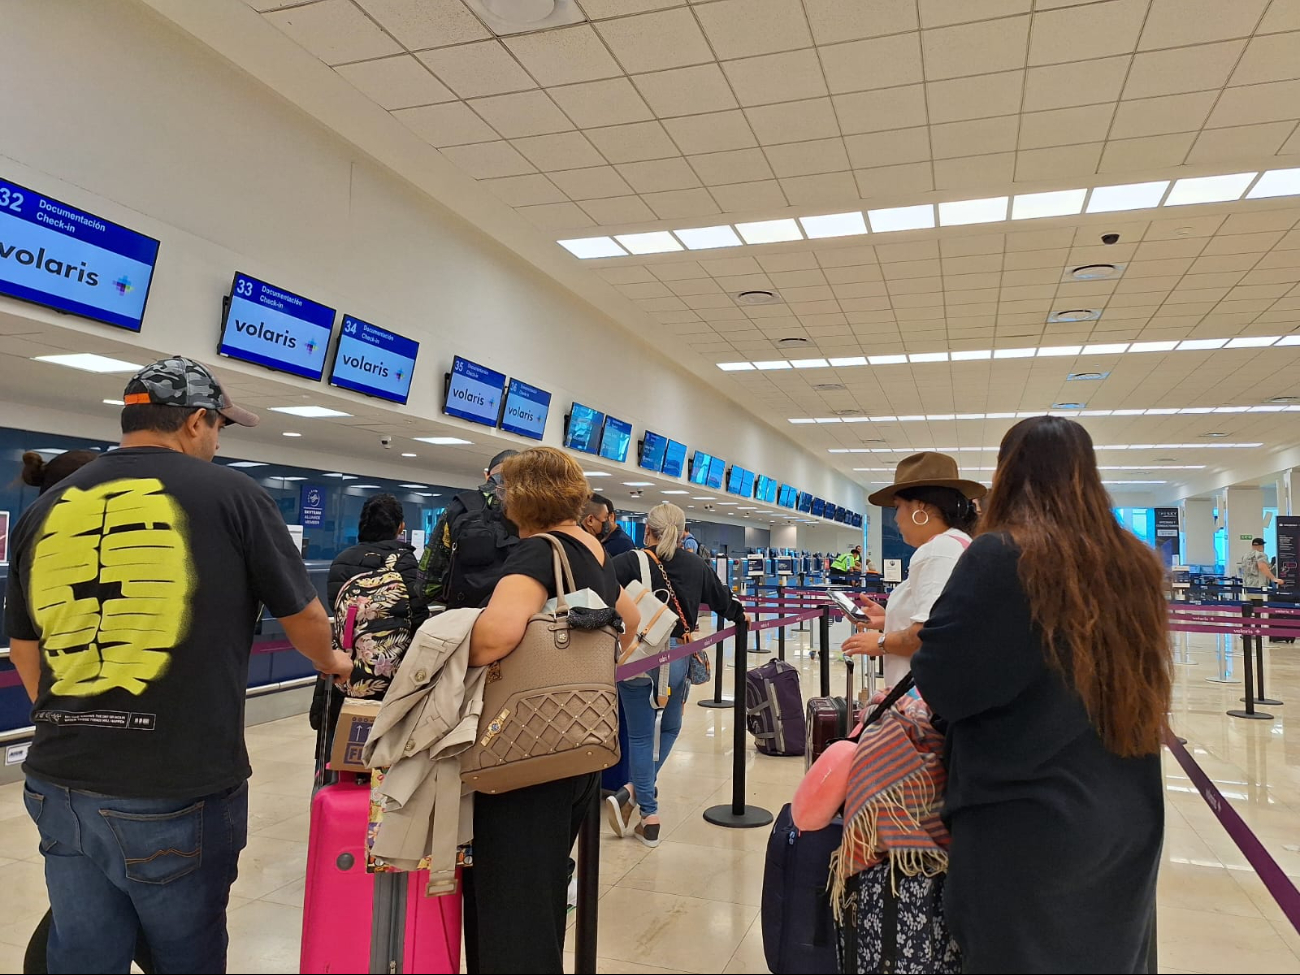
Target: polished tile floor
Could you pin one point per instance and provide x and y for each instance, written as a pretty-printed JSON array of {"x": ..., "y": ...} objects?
[{"x": 691, "y": 905}]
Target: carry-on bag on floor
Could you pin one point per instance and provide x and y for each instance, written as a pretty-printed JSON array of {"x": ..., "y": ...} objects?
[
  {"x": 830, "y": 718},
  {"x": 774, "y": 708},
  {"x": 354, "y": 921},
  {"x": 798, "y": 928},
  {"x": 895, "y": 923}
]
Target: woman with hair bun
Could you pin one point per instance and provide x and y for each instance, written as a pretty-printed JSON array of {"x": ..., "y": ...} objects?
[
  {"x": 44, "y": 474},
  {"x": 935, "y": 510}
]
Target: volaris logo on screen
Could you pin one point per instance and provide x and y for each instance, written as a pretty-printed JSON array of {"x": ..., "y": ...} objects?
[
  {"x": 378, "y": 369},
  {"x": 285, "y": 340},
  {"x": 78, "y": 272}
]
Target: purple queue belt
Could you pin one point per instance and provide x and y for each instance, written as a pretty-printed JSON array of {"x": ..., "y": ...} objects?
[
  {"x": 647, "y": 664},
  {"x": 1279, "y": 885}
]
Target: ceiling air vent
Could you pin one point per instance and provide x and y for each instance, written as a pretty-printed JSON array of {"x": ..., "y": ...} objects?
[
  {"x": 833, "y": 388},
  {"x": 1087, "y": 376},
  {"x": 847, "y": 412},
  {"x": 759, "y": 298},
  {"x": 506, "y": 17},
  {"x": 1094, "y": 272}
]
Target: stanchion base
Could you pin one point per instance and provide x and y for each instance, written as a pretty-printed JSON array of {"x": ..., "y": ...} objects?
[
  {"x": 709, "y": 702},
  {"x": 1224, "y": 680},
  {"x": 752, "y": 818},
  {"x": 1252, "y": 715},
  {"x": 763, "y": 650},
  {"x": 1264, "y": 700}
]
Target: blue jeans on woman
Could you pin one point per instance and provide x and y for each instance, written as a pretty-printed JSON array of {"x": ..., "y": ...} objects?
[
  {"x": 115, "y": 867},
  {"x": 640, "y": 716}
]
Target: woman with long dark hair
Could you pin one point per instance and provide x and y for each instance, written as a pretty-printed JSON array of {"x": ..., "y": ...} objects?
[{"x": 1048, "y": 655}]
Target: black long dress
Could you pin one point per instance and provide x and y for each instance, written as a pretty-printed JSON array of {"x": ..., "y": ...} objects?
[{"x": 1055, "y": 840}]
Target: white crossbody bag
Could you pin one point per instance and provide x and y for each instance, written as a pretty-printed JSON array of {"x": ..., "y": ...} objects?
[{"x": 658, "y": 619}]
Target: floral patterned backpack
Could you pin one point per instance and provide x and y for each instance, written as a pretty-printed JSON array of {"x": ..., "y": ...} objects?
[{"x": 372, "y": 623}]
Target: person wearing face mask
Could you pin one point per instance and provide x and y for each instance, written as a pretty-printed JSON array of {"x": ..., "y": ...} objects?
[
  {"x": 601, "y": 521},
  {"x": 935, "y": 512}
]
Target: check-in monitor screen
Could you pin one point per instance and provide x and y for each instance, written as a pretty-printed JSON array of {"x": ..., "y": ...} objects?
[
  {"x": 585, "y": 426},
  {"x": 374, "y": 361},
  {"x": 674, "y": 458},
  {"x": 526, "y": 410},
  {"x": 615, "y": 440},
  {"x": 717, "y": 467},
  {"x": 474, "y": 392},
  {"x": 700, "y": 467},
  {"x": 269, "y": 326},
  {"x": 653, "y": 449},
  {"x": 55, "y": 255}
]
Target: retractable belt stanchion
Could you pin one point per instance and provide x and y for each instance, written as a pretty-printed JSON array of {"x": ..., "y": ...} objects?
[
  {"x": 824, "y": 631},
  {"x": 736, "y": 814},
  {"x": 780, "y": 630},
  {"x": 719, "y": 664},
  {"x": 588, "y": 877},
  {"x": 1260, "y": 696},
  {"x": 1247, "y": 658}
]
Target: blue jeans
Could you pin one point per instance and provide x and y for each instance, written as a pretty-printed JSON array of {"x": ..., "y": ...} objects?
[
  {"x": 640, "y": 716},
  {"x": 162, "y": 867}
]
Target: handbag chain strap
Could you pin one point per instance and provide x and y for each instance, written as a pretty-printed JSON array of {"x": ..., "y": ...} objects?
[{"x": 671, "y": 592}]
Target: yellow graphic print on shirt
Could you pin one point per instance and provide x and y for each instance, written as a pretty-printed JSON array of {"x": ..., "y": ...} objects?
[{"x": 110, "y": 584}]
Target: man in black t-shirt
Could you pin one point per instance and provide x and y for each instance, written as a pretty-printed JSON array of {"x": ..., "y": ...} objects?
[{"x": 134, "y": 590}]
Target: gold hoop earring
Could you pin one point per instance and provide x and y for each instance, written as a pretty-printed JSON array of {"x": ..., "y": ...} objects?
[{"x": 920, "y": 524}]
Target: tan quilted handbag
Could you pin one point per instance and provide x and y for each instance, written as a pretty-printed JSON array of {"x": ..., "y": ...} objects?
[{"x": 550, "y": 707}]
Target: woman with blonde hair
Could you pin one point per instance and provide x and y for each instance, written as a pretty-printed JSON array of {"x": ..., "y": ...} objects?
[
  {"x": 516, "y": 894},
  {"x": 688, "y": 581}
]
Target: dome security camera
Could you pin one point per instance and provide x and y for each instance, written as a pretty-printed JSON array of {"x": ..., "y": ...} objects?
[
  {"x": 387, "y": 442},
  {"x": 1110, "y": 238}
]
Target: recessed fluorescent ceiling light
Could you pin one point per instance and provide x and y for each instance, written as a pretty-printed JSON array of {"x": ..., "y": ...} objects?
[
  {"x": 1058, "y": 350},
  {"x": 655, "y": 242},
  {"x": 800, "y": 420},
  {"x": 972, "y": 355},
  {"x": 1106, "y": 348},
  {"x": 288, "y": 478},
  {"x": 1252, "y": 342},
  {"x": 89, "y": 362},
  {"x": 707, "y": 497},
  {"x": 113, "y": 402},
  {"x": 1061, "y": 203},
  {"x": 928, "y": 357},
  {"x": 727, "y": 504},
  {"x": 809, "y": 363},
  {"x": 886, "y": 360},
  {"x": 638, "y": 484},
  {"x": 702, "y": 238},
  {"x": 343, "y": 477},
  {"x": 1153, "y": 346},
  {"x": 595, "y": 474},
  {"x": 961, "y": 212},
  {"x": 414, "y": 487},
  {"x": 851, "y": 360},
  {"x": 1013, "y": 353},
  {"x": 1127, "y": 196},
  {"x": 410, "y": 455},
  {"x": 736, "y": 366},
  {"x": 1194, "y": 345},
  {"x": 770, "y": 364},
  {"x": 1289, "y": 340},
  {"x": 246, "y": 463},
  {"x": 367, "y": 487},
  {"x": 443, "y": 441},
  {"x": 769, "y": 231},
  {"x": 1208, "y": 189},
  {"x": 1276, "y": 182},
  {"x": 589, "y": 247},
  {"x": 674, "y": 492},
  {"x": 834, "y": 225},
  {"x": 290, "y": 433},
  {"x": 901, "y": 218},
  {"x": 308, "y": 412}
]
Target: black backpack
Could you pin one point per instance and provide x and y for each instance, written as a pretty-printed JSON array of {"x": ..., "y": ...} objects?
[{"x": 481, "y": 540}]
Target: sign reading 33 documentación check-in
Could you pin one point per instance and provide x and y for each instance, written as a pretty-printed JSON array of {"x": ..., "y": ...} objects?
[
  {"x": 276, "y": 328},
  {"x": 55, "y": 255}
]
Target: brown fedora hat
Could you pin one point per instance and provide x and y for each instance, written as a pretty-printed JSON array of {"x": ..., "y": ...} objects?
[{"x": 927, "y": 469}]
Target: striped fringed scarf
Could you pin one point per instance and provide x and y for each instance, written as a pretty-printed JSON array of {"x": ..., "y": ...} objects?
[{"x": 895, "y": 795}]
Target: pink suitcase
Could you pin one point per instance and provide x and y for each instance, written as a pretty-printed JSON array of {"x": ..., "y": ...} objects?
[{"x": 358, "y": 922}]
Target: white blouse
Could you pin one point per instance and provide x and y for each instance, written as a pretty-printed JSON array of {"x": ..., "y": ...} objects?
[{"x": 912, "y": 601}]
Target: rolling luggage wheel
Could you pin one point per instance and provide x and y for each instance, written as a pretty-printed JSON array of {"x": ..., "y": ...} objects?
[{"x": 34, "y": 959}]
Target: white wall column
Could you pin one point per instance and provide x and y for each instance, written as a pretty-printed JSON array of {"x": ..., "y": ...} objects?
[
  {"x": 1198, "y": 531},
  {"x": 1245, "y": 520}
]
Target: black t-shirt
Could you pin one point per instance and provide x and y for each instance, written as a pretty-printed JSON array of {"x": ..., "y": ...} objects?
[
  {"x": 141, "y": 576},
  {"x": 533, "y": 557},
  {"x": 693, "y": 582}
]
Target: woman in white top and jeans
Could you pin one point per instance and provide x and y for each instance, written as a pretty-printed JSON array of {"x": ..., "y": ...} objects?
[{"x": 935, "y": 514}]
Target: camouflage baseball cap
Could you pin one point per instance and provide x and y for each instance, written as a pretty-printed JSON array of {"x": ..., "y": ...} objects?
[{"x": 178, "y": 381}]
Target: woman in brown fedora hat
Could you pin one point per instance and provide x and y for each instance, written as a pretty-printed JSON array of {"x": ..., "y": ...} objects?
[{"x": 934, "y": 506}]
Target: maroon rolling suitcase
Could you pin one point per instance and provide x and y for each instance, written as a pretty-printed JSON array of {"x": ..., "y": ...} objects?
[{"x": 831, "y": 718}]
